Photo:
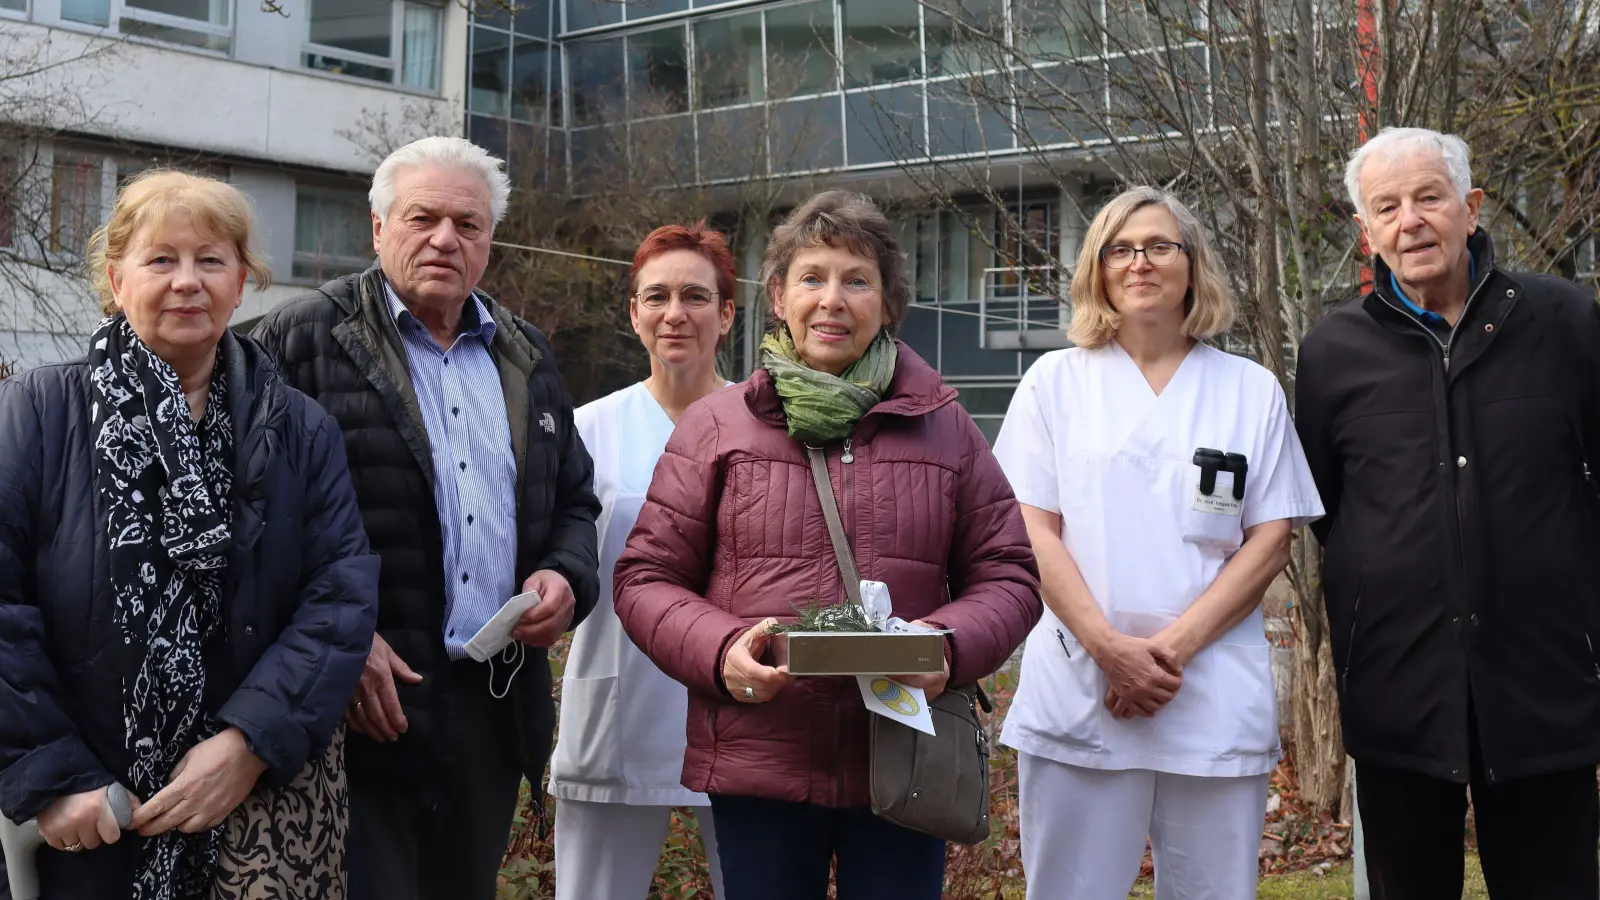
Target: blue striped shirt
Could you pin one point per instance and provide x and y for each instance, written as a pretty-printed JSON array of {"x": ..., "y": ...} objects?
[{"x": 474, "y": 471}]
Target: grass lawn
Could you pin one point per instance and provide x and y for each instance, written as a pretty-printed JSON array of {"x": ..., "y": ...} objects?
[{"x": 1336, "y": 884}]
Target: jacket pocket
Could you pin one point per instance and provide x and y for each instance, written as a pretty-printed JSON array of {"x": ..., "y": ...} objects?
[
  {"x": 588, "y": 747},
  {"x": 1350, "y": 639}
]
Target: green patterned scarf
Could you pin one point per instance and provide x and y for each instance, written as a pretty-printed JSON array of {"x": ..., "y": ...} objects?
[{"x": 822, "y": 407}]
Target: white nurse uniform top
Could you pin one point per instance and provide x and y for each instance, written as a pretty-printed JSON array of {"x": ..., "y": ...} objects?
[
  {"x": 621, "y": 737},
  {"x": 1087, "y": 438}
]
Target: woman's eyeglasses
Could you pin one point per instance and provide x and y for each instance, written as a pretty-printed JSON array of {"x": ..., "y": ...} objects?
[
  {"x": 1161, "y": 253},
  {"x": 692, "y": 297}
]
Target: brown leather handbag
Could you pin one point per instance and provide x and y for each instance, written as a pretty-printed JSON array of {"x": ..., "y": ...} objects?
[{"x": 938, "y": 783}]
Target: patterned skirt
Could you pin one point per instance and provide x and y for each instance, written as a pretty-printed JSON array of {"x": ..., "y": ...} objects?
[{"x": 288, "y": 842}]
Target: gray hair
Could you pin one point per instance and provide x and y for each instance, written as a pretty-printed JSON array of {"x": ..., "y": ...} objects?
[
  {"x": 1391, "y": 143},
  {"x": 447, "y": 152}
]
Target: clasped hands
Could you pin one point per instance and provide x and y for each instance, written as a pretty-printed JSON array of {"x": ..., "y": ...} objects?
[
  {"x": 750, "y": 681},
  {"x": 1142, "y": 674},
  {"x": 208, "y": 783}
]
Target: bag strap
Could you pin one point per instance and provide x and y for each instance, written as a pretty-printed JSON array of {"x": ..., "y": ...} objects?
[
  {"x": 830, "y": 512},
  {"x": 841, "y": 547}
]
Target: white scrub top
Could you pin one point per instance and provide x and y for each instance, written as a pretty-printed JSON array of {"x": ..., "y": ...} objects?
[
  {"x": 1087, "y": 438},
  {"x": 621, "y": 736}
]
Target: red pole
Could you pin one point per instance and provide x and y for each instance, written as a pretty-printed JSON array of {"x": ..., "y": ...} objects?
[{"x": 1368, "y": 61}]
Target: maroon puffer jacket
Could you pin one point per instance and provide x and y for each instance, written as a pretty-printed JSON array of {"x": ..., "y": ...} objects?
[{"x": 732, "y": 532}]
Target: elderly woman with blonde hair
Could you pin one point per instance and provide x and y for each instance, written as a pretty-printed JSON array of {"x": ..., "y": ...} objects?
[
  {"x": 1160, "y": 479},
  {"x": 186, "y": 592}
]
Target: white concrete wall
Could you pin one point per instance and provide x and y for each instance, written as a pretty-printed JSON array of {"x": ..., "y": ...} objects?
[{"x": 176, "y": 98}]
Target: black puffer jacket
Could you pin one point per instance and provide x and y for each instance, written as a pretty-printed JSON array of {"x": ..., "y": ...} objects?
[
  {"x": 1461, "y": 538},
  {"x": 340, "y": 345},
  {"x": 300, "y": 599}
]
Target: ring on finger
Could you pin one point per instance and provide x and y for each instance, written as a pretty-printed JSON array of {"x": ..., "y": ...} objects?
[
  {"x": 73, "y": 847},
  {"x": 749, "y": 692}
]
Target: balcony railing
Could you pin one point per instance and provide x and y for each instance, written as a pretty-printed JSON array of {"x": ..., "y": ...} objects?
[{"x": 1020, "y": 309}]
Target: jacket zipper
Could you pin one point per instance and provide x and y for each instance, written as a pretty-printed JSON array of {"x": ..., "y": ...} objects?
[{"x": 1445, "y": 347}]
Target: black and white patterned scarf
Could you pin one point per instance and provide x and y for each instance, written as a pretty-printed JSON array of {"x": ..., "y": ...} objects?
[{"x": 164, "y": 482}]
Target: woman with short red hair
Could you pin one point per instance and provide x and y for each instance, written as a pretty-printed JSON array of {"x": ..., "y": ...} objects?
[{"x": 618, "y": 761}]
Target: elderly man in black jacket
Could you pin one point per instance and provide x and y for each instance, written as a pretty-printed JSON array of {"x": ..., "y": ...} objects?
[
  {"x": 474, "y": 487},
  {"x": 1451, "y": 417}
]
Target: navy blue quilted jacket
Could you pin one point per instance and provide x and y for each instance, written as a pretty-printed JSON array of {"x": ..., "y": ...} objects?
[{"x": 300, "y": 602}]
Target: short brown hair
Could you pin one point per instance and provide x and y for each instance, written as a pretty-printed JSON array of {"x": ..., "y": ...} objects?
[
  {"x": 219, "y": 211},
  {"x": 1209, "y": 305},
  {"x": 849, "y": 221}
]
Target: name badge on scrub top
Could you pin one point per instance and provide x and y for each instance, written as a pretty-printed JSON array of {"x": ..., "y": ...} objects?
[{"x": 1211, "y": 497}]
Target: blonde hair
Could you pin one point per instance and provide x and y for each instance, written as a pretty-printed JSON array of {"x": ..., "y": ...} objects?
[
  {"x": 217, "y": 210},
  {"x": 1209, "y": 304}
]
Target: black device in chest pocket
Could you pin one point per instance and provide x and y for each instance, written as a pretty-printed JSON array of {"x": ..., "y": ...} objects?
[{"x": 1213, "y": 461}]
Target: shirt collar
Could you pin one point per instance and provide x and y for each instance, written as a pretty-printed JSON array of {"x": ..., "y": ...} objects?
[
  {"x": 1423, "y": 314},
  {"x": 475, "y": 318}
]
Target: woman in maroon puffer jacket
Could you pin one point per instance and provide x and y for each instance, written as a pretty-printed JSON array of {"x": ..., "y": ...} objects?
[{"x": 732, "y": 538}]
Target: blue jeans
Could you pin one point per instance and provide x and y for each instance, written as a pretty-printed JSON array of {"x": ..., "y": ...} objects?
[{"x": 777, "y": 850}]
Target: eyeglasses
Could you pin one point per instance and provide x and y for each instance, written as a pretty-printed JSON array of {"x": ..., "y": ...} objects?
[
  {"x": 692, "y": 297},
  {"x": 1161, "y": 253}
]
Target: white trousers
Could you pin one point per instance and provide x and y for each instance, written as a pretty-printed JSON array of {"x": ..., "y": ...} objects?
[
  {"x": 1084, "y": 830},
  {"x": 609, "y": 851}
]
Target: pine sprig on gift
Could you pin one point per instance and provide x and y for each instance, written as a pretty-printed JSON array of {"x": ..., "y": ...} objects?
[{"x": 815, "y": 616}]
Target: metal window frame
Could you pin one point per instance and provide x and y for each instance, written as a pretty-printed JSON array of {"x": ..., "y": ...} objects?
[{"x": 394, "y": 62}]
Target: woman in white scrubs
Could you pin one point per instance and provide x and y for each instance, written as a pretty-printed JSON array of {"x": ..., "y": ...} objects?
[
  {"x": 618, "y": 760},
  {"x": 1145, "y": 705}
]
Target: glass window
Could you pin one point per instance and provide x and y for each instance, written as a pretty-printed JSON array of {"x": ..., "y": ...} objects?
[
  {"x": 880, "y": 41},
  {"x": 594, "y": 75},
  {"x": 1056, "y": 29},
  {"x": 644, "y": 9},
  {"x": 323, "y": 62},
  {"x": 89, "y": 12},
  {"x": 74, "y": 202},
  {"x": 884, "y": 126},
  {"x": 420, "y": 46},
  {"x": 805, "y": 135},
  {"x": 533, "y": 18},
  {"x": 360, "y": 26},
  {"x": 599, "y": 157},
  {"x": 1137, "y": 24},
  {"x": 971, "y": 38},
  {"x": 962, "y": 257},
  {"x": 800, "y": 50},
  {"x": 969, "y": 116},
  {"x": 583, "y": 14},
  {"x": 658, "y": 73},
  {"x": 1062, "y": 104},
  {"x": 211, "y": 12},
  {"x": 728, "y": 61},
  {"x": 488, "y": 133},
  {"x": 663, "y": 151},
  {"x": 19, "y": 6},
  {"x": 332, "y": 233},
  {"x": 491, "y": 72},
  {"x": 529, "y": 72},
  {"x": 733, "y": 143}
]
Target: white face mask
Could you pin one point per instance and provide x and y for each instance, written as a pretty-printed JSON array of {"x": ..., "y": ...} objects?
[
  {"x": 496, "y": 633},
  {"x": 495, "y": 638}
]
